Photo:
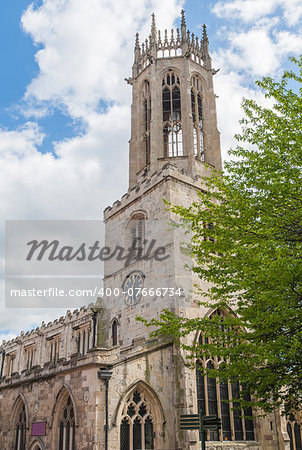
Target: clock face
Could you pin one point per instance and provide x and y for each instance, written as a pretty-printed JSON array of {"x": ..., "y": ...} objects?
[{"x": 132, "y": 287}]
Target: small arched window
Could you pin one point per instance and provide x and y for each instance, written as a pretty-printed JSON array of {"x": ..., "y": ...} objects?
[
  {"x": 171, "y": 103},
  {"x": 20, "y": 428},
  {"x": 197, "y": 115},
  {"x": 214, "y": 397},
  {"x": 67, "y": 426},
  {"x": 114, "y": 332},
  {"x": 146, "y": 98}
]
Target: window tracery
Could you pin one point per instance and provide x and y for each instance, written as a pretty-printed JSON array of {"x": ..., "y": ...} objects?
[
  {"x": 67, "y": 426},
  {"x": 172, "y": 128},
  {"x": 137, "y": 423},
  {"x": 20, "y": 428},
  {"x": 214, "y": 397}
]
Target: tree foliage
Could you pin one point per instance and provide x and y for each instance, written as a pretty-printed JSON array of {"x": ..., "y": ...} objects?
[{"x": 247, "y": 243}]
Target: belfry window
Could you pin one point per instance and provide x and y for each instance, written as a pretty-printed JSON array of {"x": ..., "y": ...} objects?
[
  {"x": 197, "y": 115},
  {"x": 67, "y": 427},
  {"x": 172, "y": 128},
  {"x": 146, "y": 96},
  {"x": 20, "y": 429},
  {"x": 136, "y": 430},
  {"x": 214, "y": 397}
]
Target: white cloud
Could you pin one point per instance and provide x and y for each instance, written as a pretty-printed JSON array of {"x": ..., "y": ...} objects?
[
  {"x": 251, "y": 10},
  {"x": 87, "y": 50},
  {"x": 247, "y": 10}
]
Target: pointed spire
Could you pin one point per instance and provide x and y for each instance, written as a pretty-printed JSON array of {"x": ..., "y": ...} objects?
[
  {"x": 197, "y": 43},
  {"x": 159, "y": 39},
  {"x": 204, "y": 33},
  {"x": 137, "y": 46},
  {"x": 172, "y": 42},
  {"x": 193, "y": 40},
  {"x": 177, "y": 36},
  {"x": 153, "y": 31},
  {"x": 183, "y": 26},
  {"x": 183, "y": 19},
  {"x": 166, "y": 38}
]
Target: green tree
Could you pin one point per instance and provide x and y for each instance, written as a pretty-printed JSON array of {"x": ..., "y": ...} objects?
[{"x": 247, "y": 242}]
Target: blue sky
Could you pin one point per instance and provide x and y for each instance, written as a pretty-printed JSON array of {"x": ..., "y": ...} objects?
[{"x": 65, "y": 108}]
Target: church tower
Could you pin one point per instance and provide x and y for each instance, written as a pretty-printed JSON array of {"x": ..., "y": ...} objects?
[
  {"x": 174, "y": 144},
  {"x": 173, "y": 115}
]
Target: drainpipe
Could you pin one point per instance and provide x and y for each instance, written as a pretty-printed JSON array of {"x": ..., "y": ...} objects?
[
  {"x": 105, "y": 374},
  {"x": 2, "y": 364}
]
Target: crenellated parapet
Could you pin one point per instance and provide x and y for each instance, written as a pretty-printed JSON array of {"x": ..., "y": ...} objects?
[
  {"x": 172, "y": 169},
  {"x": 51, "y": 346},
  {"x": 178, "y": 43}
]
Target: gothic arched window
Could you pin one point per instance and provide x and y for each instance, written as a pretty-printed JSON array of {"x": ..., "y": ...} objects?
[
  {"x": 196, "y": 104},
  {"x": 20, "y": 428},
  {"x": 67, "y": 426},
  {"x": 136, "y": 235},
  {"x": 146, "y": 97},
  {"x": 136, "y": 429},
  {"x": 214, "y": 397},
  {"x": 172, "y": 128}
]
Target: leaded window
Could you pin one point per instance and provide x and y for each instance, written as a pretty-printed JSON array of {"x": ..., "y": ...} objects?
[
  {"x": 136, "y": 429},
  {"x": 172, "y": 125},
  {"x": 67, "y": 427},
  {"x": 214, "y": 396},
  {"x": 197, "y": 115},
  {"x": 20, "y": 429}
]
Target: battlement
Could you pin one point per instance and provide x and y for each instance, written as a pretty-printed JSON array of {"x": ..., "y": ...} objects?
[
  {"x": 47, "y": 328},
  {"x": 180, "y": 43},
  {"x": 147, "y": 181}
]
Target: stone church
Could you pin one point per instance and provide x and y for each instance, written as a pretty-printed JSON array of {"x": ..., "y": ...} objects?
[{"x": 94, "y": 379}]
